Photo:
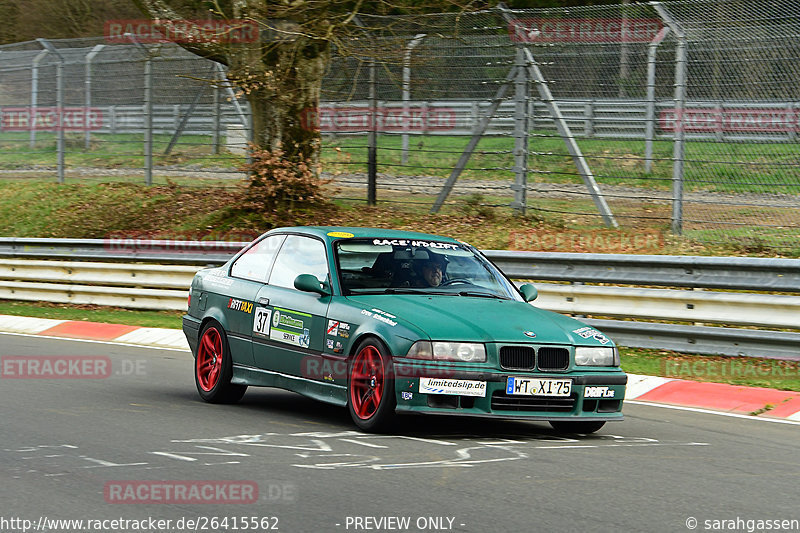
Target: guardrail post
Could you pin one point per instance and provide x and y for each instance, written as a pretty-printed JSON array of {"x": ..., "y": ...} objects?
[
  {"x": 112, "y": 118},
  {"x": 59, "y": 106},
  {"x": 588, "y": 119}
]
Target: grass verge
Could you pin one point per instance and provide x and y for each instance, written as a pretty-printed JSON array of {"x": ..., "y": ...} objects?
[
  {"x": 39, "y": 208},
  {"x": 93, "y": 313},
  {"x": 739, "y": 167}
]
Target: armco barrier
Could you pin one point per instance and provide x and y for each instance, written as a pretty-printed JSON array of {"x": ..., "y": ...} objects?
[{"x": 148, "y": 286}]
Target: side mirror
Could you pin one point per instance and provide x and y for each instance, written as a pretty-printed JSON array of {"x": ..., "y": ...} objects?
[
  {"x": 309, "y": 283},
  {"x": 529, "y": 292}
]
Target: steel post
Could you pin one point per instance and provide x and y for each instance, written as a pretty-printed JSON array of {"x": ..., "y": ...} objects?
[
  {"x": 678, "y": 158},
  {"x": 407, "y": 94},
  {"x": 35, "y": 93},
  {"x": 520, "y": 134},
  {"x": 88, "y": 90},
  {"x": 47, "y": 45},
  {"x": 372, "y": 141}
]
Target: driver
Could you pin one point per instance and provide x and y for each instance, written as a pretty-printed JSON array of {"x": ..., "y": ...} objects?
[{"x": 432, "y": 271}]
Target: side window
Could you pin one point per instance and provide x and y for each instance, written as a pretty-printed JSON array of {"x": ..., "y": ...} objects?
[
  {"x": 299, "y": 255},
  {"x": 255, "y": 262}
]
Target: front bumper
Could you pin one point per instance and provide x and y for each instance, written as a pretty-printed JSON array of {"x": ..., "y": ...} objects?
[{"x": 594, "y": 396}]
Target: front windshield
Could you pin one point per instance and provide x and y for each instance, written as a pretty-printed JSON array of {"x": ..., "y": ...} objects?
[{"x": 387, "y": 266}]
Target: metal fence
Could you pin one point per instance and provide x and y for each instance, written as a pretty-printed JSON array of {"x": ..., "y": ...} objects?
[{"x": 680, "y": 115}]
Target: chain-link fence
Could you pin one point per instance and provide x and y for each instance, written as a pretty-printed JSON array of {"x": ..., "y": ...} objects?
[{"x": 680, "y": 115}]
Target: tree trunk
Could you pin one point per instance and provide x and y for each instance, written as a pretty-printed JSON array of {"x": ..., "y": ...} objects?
[{"x": 283, "y": 88}]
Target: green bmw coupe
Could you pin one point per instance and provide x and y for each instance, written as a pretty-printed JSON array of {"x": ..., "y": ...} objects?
[{"x": 388, "y": 322}]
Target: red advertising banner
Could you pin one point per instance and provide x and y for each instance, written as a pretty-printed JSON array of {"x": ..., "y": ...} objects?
[
  {"x": 583, "y": 30},
  {"x": 50, "y": 118},
  {"x": 761, "y": 120}
]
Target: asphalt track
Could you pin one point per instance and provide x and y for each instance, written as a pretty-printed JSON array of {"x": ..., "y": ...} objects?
[{"x": 63, "y": 440}]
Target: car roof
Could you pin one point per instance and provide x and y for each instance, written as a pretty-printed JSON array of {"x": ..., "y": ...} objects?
[{"x": 332, "y": 233}]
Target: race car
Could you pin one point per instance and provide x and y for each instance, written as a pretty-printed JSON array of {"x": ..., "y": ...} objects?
[{"x": 389, "y": 322}]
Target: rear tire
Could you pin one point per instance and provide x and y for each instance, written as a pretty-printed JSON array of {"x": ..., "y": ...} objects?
[
  {"x": 583, "y": 426},
  {"x": 370, "y": 387},
  {"x": 213, "y": 367}
]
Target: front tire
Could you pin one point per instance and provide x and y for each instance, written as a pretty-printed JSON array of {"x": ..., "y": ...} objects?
[
  {"x": 370, "y": 387},
  {"x": 213, "y": 367},
  {"x": 583, "y": 426}
]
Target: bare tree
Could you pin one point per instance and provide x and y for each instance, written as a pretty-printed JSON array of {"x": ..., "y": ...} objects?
[{"x": 281, "y": 73}]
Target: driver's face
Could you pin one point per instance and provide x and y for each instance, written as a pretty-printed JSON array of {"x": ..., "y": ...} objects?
[{"x": 432, "y": 273}]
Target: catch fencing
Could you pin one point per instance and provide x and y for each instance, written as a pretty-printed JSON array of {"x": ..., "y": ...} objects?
[{"x": 682, "y": 116}]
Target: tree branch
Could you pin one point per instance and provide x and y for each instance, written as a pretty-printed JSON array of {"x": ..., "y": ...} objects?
[{"x": 161, "y": 11}]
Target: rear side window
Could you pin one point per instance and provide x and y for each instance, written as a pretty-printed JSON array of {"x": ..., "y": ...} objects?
[
  {"x": 254, "y": 264},
  {"x": 299, "y": 255}
]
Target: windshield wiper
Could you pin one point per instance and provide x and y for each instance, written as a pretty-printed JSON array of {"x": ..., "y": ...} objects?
[
  {"x": 415, "y": 290},
  {"x": 401, "y": 290},
  {"x": 481, "y": 294}
]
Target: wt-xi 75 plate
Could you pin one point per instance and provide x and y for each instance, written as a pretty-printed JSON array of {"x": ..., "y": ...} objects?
[{"x": 538, "y": 387}]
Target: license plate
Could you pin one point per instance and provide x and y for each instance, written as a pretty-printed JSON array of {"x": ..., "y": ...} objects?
[{"x": 538, "y": 387}]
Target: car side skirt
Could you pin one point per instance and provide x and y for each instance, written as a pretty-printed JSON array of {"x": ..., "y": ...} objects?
[{"x": 331, "y": 393}]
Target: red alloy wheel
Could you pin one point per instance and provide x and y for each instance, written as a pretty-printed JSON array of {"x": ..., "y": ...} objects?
[
  {"x": 367, "y": 382},
  {"x": 209, "y": 359}
]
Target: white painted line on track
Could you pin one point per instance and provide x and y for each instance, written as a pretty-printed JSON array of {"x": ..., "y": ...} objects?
[
  {"x": 638, "y": 385},
  {"x": 98, "y": 342},
  {"x": 711, "y": 412},
  {"x": 362, "y": 443}
]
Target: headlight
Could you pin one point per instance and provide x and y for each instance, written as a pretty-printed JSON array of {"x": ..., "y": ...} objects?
[
  {"x": 591, "y": 356},
  {"x": 466, "y": 352}
]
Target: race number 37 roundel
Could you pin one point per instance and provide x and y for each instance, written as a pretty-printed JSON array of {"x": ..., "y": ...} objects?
[{"x": 386, "y": 323}]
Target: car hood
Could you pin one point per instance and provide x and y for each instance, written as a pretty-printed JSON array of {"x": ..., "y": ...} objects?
[{"x": 465, "y": 318}]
